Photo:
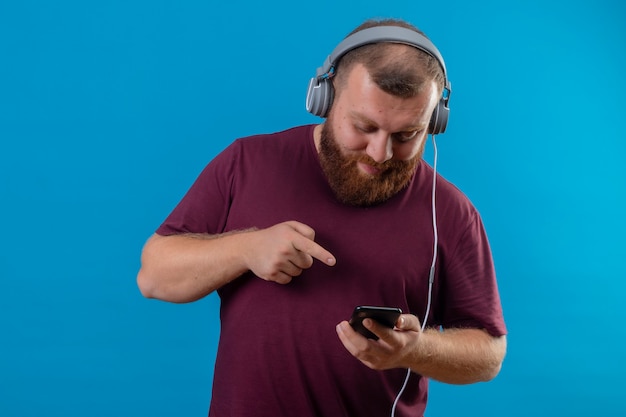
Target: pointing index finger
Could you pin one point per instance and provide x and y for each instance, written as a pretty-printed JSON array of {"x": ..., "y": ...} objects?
[{"x": 312, "y": 248}]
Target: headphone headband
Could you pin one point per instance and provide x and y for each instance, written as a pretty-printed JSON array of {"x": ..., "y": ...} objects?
[
  {"x": 391, "y": 34},
  {"x": 320, "y": 93}
]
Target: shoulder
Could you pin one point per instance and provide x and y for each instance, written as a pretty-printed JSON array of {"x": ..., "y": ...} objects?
[
  {"x": 289, "y": 137},
  {"x": 455, "y": 211},
  {"x": 285, "y": 148},
  {"x": 448, "y": 195}
]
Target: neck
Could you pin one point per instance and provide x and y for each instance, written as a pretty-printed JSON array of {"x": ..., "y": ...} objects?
[{"x": 317, "y": 136}]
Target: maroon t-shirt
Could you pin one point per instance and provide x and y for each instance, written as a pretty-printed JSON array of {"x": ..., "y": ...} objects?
[{"x": 278, "y": 352}]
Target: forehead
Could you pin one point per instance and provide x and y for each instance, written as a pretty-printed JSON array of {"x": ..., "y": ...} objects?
[{"x": 361, "y": 99}]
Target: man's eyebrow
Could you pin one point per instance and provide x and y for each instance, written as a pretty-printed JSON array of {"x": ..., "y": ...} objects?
[{"x": 361, "y": 118}]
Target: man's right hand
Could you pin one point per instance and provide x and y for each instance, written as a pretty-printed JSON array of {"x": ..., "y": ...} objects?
[{"x": 283, "y": 251}]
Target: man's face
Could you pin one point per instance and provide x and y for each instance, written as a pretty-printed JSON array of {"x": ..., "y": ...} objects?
[{"x": 372, "y": 141}]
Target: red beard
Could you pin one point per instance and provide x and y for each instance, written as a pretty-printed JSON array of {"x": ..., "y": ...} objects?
[{"x": 353, "y": 187}]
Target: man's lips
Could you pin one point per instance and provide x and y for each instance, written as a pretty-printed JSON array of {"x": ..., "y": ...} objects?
[{"x": 368, "y": 169}]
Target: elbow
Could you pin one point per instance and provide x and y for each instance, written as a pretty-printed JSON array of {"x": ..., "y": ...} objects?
[
  {"x": 491, "y": 372},
  {"x": 146, "y": 285},
  {"x": 154, "y": 287},
  {"x": 147, "y": 277},
  {"x": 497, "y": 358},
  {"x": 144, "y": 282}
]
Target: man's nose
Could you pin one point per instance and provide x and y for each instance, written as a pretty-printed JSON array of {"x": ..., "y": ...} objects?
[{"x": 380, "y": 147}]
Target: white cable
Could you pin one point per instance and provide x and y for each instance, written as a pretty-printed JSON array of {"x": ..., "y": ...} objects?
[
  {"x": 395, "y": 402},
  {"x": 431, "y": 272}
]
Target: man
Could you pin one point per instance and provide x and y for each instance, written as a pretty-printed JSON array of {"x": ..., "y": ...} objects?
[{"x": 296, "y": 228}]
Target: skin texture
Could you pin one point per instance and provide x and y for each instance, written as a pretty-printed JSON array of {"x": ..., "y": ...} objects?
[{"x": 370, "y": 128}]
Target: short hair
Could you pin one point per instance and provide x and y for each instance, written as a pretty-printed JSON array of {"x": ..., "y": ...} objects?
[{"x": 399, "y": 71}]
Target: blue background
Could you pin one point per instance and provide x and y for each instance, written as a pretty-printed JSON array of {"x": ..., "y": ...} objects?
[{"x": 110, "y": 109}]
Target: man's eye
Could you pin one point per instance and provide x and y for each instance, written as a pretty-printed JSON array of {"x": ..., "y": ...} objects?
[
  {"x": 366, "y": 129},
  {"x": 406, "y": 136}
]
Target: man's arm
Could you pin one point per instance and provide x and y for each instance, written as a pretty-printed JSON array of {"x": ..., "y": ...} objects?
[
  {"x": 187, "y": 267},
  {"x": 454, "y": 356}
]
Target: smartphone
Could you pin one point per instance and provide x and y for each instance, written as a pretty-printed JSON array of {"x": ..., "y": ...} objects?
[{"x": 386, "y": 316}]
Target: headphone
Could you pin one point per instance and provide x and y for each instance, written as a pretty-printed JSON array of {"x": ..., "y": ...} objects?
[{"x": 320, "y": 94}]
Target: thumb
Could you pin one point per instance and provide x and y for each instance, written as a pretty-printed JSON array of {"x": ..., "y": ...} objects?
[{"x": 408, "y": 322}]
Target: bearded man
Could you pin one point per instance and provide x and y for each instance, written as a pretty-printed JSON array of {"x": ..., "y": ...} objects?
[{"x": 296, "y": 228}]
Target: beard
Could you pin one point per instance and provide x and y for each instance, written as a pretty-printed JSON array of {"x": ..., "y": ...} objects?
[{"x": 352, "y": 186}]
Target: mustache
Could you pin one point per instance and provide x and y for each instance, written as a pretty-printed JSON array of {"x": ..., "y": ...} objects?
[{"x": 381, "y": 166}]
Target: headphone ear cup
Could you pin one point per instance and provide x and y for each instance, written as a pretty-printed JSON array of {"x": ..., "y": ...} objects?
[
  {"x": 319, "y": 96},
  {"x": 439, "y": 118}
]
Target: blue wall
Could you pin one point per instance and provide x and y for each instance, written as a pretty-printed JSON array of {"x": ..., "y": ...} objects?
[{"x": 109, "y": 110}]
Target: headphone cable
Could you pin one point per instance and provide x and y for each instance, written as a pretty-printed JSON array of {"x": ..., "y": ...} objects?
[{"x": 431, "y": 272}]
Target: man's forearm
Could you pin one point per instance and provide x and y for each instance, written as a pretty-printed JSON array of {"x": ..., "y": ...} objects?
[
  {"x": 185, "y": 268},
  {"x": 458, "y": 356}
]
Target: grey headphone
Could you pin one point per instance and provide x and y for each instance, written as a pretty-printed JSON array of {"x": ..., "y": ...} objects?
[{"x": 320, "y": 94}]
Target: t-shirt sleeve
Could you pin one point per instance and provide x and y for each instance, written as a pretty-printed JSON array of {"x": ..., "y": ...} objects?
[
  {"x": 205, "y": 206},
  {"x": 471, "y": 293}
]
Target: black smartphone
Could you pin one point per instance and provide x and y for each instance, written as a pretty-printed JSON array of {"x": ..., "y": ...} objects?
[{"x": 386, "y": 316}]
